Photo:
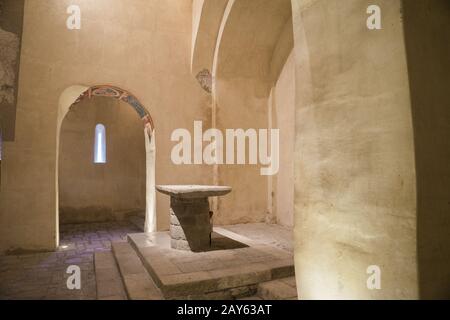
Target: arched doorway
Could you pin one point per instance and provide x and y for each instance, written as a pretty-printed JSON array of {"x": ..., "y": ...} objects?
[{"x": 77, "y": 94}]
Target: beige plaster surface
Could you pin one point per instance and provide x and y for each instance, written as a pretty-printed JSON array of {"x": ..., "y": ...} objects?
[
  {"x": 243, "y": 77},
  {"x": 207, "y": 18},
  {"x": 284, "y": 120},
  {"x": 101, "y": 192},
  {"x": 142, "y": 46},
  {"x": 355, "y": 192},
  {"x": 248, "y": 201}
]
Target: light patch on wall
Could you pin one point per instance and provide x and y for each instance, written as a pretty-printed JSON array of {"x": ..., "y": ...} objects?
[{"x": 100, "y": 144}]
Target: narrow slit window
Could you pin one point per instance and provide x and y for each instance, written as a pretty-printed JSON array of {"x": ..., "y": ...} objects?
[{"x": 100, "y": 144}]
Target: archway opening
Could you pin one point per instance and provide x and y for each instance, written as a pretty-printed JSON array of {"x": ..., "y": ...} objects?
[{"x": 106, "y": 158}]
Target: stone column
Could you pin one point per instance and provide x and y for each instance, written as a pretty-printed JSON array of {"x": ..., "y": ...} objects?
[
  {"x": 355, "y": 194},
  {"x": 190, "y": 227}
]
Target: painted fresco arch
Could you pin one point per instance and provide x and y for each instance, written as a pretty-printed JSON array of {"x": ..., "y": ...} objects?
[{"x": 122, "y": 95}]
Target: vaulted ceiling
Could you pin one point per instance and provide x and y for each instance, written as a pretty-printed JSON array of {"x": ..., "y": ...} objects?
[{"x": 239, "y": 38}]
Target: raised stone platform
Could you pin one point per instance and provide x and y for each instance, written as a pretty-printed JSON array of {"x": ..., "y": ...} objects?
[{"x": 232, "y": 268}]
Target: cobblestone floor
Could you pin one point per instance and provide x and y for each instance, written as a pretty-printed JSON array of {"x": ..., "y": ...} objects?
[{"x": 43, "y": 275}]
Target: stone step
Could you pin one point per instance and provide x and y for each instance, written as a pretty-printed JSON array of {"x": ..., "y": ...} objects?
[
  {"x": 280, "y": 289},
  {"x": 138, "y": 283},
  {"x": 107, "y": 277}
]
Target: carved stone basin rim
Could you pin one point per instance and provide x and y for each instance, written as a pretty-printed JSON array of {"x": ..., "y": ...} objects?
[{"x": 193, "y": 191}]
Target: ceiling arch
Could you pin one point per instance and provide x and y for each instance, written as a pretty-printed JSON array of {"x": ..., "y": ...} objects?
[
  {"x": 252, "y": 38},
  {"x": 207, "y": 17}
]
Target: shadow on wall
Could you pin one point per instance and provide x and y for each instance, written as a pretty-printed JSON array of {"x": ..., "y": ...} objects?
[{"x": 427, "y": 34}]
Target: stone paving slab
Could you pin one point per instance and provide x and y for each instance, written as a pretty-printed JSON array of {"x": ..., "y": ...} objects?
[
  {"x": 43, "y": 275},
  {"x": 273, "y": 234}
]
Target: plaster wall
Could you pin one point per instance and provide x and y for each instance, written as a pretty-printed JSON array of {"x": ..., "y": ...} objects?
[
  {"x": 244, "y": 75},
  {"x": 284, "y": 119},
  {"x": 206, "y": 18},
  {"x": 197, "y": 7},
  {"x": 355, "y": 194},
  {"x": 101, "y": 192},
  {"x": 141, "y": 46},
  {"x": 242, "y": 103}
]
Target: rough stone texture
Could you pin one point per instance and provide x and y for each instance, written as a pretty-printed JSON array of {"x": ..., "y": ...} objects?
[
  {"x": 43, "y": 275},
  {"x": 190, "y": 226},
  {"x": 180, "y": 244},
  {"x": 176, "y": 232},
  {"x": 281, "y": 289},
  {"x": 9, "y": 50},
  {"x": 194, "y": 226},
  {"x": 11, "y": 21}
]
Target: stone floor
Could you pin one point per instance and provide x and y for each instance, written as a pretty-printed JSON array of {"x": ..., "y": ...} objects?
[
  {"x": 271, "y": 234},
  {"x": 43, "y": 275}
]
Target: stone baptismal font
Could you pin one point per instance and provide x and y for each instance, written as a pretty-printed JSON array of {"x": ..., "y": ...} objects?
[{"x": 190, "y": 220}]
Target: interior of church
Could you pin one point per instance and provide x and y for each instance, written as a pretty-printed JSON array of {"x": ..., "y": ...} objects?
[{"x": 224, "y": 149}]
